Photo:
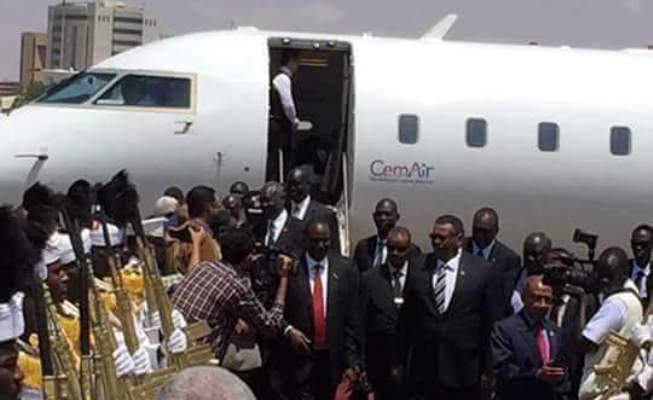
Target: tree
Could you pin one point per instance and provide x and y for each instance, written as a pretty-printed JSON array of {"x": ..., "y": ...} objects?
[{"x": 29, "y": 94}]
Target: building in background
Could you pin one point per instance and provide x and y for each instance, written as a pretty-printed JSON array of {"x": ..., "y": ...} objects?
[
  {"x": 8, "y": 94},
  {"x": 81, "y": 34},
  {"x": 33, "y": 52}
]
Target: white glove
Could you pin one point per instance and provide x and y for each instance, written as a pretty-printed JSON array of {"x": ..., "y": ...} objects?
[
  {"x": 177, "y": 342},
  {"x": 123, "y": 361},
  {"x": 178, "y": 320},
  {"x": 640, "y": 334},
  {"x": 141, "y": 361}
]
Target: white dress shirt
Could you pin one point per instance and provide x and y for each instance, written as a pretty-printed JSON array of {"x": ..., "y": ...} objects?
[
  {"x": 643, "y": 290},
  {"x": 283, "y": 85},
  {"x": 380, "y": 252},
  {"x": 402, "y": 277},
  {"x": 610, "y": 317},
  {"x": 310, "y": 263},
  {"x": 451, "y": 275},
  {"x": 299, "y": 209},
  {"x": 278, "y": 224},
  {"x": 486, "y": 252}
]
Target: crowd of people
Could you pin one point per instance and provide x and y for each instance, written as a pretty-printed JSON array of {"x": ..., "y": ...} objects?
[{"x": 287, "y": 316}]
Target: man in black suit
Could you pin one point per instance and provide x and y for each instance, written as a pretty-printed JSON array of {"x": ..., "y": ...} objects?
[
  {"x": 323, "y": 301},
  {"x": 282, "y": 233},
  {"x": 372, "y": 251},
  {"x": 382, "y": 299},
  {"x": 536, "y": 247},
  {"x": 304, "y": 208},
  {"x": 484, "y": 243},
  {"x": 450, "y": 304},
  {"x": 641, "y": 242},
  {"x": 524, "y": 347}
]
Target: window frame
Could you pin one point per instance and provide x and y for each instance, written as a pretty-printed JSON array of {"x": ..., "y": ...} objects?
[
  {"x": 470, "y": 120},
  {"x": 540, "y": 125},
  {"x": 629, "y": 131},
  {"x": 402, "y": 117}
]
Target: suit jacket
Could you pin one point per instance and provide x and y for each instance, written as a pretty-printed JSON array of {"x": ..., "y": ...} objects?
[
  {"x": 649, "y": 282},
  {"x": 343, "y": 318},
  {"x": 380, "y": 317},
  {"x": 508, "y": 265},
  {"x": 365, "y": 251},
  {"x": 449, "y": 349},
  {"x": 516, "y": 358}
]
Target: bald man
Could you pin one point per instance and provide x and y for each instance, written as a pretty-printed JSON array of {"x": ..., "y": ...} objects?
[
  {"x": 205, "y": 383},
  {"x": 524, "y": 347},
  {"x": 620, "y": 312}
]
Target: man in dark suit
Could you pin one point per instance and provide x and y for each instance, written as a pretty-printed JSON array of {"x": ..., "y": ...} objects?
[
  {"x": 382, "y": 299},
  {"x": 641, "y": 242},
  {"x": 323, "y": 301},
  {"x": 304, "y": 208},
  {"x": 484, "y": 243},
  {"x": 372, "y": 251},
  {"x": 282, "y": 233},
  {"x": 450, "y": 305},
  {"x": 524, "y": 347}
]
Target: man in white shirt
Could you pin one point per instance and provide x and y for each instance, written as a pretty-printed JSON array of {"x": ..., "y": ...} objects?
[
  {"x": 641, "y": 242},
  {"x": 283, "y": 117},
  {"x": 620, "y": 311}
]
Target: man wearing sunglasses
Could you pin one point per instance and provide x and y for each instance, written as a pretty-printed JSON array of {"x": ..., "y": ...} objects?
[
  {"x": 451, "y": 302},
  {"x": 382, "y": 291}
]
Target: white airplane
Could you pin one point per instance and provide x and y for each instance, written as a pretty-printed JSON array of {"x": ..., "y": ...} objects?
[{"x": 553, "y": 138}]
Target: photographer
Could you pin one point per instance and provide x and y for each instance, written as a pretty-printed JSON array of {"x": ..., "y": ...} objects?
[
  {"x": 214, "y": 292},
  {"x": 620, "y": 311}
]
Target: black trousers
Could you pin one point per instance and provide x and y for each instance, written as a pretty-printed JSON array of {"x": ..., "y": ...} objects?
[
  {"x": 438, "y": 391},
  {"x": 279, "y": 138},
  {"x": 309, "y": 381}
]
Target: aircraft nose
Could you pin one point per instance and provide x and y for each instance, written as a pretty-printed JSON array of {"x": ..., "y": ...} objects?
[{"x": 19, "y": 157}]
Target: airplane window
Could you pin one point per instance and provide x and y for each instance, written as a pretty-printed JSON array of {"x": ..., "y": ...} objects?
[
  {"x": 408, "y": 128},
  {"x": 79, "y": 89},
  {"x": 620, "y": 140},
  {"x": 548, "y": 133},
  {"x": 148, "y": 91},
  {"x": 476, "y": 132}
]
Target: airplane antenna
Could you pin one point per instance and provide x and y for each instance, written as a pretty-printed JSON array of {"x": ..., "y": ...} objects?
[{"x": 439, "y": 30}]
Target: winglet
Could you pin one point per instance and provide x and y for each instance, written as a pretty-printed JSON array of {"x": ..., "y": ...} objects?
[{"x": 440, "y": 29}]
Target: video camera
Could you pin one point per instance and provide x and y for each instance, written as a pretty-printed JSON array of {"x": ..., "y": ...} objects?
[{"x": 565, "y": 271}]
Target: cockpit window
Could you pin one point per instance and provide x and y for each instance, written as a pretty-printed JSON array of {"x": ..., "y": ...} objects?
[
  {"x": 78, "y": 89},
  {"x": 149, "y": 91}
]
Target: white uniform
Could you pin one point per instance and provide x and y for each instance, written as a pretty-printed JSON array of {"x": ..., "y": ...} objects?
[{"x": 619, "y": 313}]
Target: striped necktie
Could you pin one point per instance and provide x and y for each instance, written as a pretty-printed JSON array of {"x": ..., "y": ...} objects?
[{"x": 440, "y": 288}]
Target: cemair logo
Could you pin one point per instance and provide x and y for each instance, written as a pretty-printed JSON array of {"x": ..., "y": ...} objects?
[{"x": 416, "y": 172}]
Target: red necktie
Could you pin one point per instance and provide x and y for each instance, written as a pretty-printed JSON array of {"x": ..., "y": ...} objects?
[
  {"x": 543, "y": 345},
  {"x": 319, "y": 322}
]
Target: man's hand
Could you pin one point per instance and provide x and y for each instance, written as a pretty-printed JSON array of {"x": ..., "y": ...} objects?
[
  {"x": 197, "y": 233},
  {"x": 284, "y": 264},
  {"x": 550, "y": 374},
  {"x": 242, "y": 327},
  {"x": 640, "y": 334},
  {"x": 397, "y": 374},
  {"x": 299, "y": 341}
]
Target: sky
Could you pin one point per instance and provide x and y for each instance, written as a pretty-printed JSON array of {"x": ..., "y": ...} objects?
[{"x": 611, "y": 24}]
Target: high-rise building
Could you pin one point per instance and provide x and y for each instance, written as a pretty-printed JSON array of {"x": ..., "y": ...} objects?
[
  {"x": 81, "y": 34},
  {"x": 33, "y": 52}
]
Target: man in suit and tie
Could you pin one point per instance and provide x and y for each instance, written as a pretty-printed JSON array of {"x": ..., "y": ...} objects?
[
  {"x": 536, "y": 246},
  {"x": 450, "y": 306},
  {"x": 484, "y": 243},
  {"x": 323, "y": 301},
  {"x": 372, "y": 251},
  {"x": 282, "y": 233},
  {"x": 525, "y": 346},
  {"x": 641, "y": 241},
  {"x": 304, "y": 208},
  {"x": 382, "y": 296}
]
